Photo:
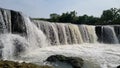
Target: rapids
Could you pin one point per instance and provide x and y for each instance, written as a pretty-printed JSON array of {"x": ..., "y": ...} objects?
[{"x": 94, "y": 55}]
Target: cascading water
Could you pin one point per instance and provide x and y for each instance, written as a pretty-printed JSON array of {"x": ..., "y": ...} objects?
[
  {"x": 12, "y": 45},
  {"x": 22, "y": 35},
  {"x": 59, "y": 33},
  {"x": 106, "y": 34},
  {"x": 110, "y": 35},
  {"x": 33, "y": 40},
  {"x": 35, "y": 37},
  {"x": 88, "y": 33}
]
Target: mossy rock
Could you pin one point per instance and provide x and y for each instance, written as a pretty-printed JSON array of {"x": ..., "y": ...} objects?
[
  {"x": 55, "y": 58},
  {"x": 11, "y": 64},
  {"x": 75, "y": 62}
]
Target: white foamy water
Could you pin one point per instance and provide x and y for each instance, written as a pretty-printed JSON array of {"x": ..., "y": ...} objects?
[
  {"x": 12, "y": 45},
  {"x": 94, "y": 55}
]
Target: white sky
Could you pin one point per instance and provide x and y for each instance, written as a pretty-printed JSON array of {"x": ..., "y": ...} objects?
[{"x": 43, "y": 8}]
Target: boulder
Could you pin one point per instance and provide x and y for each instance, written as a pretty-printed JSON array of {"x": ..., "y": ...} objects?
[
  {"x": 75, "y": 62},
  {"x": 118, "y": 66}
]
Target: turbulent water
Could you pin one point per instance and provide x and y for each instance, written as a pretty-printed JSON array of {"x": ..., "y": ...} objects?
[
  {"x": 94, "y": 55},
  {"x": 33, "y": 41}
]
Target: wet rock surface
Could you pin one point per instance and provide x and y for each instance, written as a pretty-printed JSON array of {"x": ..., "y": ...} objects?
[
  {"x": 118, "y": 66},
  {"x": 11, "y": 64},
  {"x": 12, "y": 21},
  {"x": 75, "y": 62}
]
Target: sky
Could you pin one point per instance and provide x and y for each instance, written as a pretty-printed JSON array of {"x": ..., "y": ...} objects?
[{"x": 43, "y": 8}]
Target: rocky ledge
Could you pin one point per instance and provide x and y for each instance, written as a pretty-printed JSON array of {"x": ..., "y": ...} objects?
[{"x": 11, "y": 64}]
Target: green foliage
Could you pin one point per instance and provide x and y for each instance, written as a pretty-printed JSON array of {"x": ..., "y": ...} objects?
[
  {"x": 68, "y": 17},
  {"x": 44, "y": 19},
  {"x": 73, "y": 18},
  {"x": 85, "y": 19},
  {"x": 54, "y": 17},
  {"x": 110, "y": 16}
]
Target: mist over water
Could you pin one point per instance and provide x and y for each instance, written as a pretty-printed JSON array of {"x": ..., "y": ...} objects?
[{"x": 33, "y": 41}]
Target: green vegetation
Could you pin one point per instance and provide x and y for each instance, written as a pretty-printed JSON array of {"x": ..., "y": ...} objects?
[
  {"x": 11, "y": 64},
  {"x": 110, "y": 16}
]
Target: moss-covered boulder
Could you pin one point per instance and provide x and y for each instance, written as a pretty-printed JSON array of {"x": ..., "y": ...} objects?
[
  {"x": 75, "y": 62},
  {"x": 11, "y": 64}
]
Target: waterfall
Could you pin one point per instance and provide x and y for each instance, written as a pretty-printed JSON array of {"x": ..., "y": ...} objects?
[
  {"x": 5, "y": 21},
  {"x": 35, "y": 37},
  {"x": 21, "y": 36},
  {"x": 18, "y": 34},
  {"x": 88, "y": 33},
  {"x": 42, "y": 34},
  {"x": 107, "y": 34},
  {"x": 117, "y": 32},
  {"x": 76, "y": 37},
  {"x": 12, "y": 45},
  {"x": 59, "y": 33},
  {"x": 50, "y": 31}
]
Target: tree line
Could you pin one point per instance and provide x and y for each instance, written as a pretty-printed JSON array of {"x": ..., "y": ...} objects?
[{"x": 108, "y": 17}]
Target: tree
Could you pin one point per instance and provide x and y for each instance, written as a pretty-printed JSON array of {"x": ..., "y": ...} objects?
[
  {"x": 68, "y": 17},
  {"x": 110, "y": 16},
  {"x": 54, "y": 17},
  {"x": 85, "y": 19}
]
